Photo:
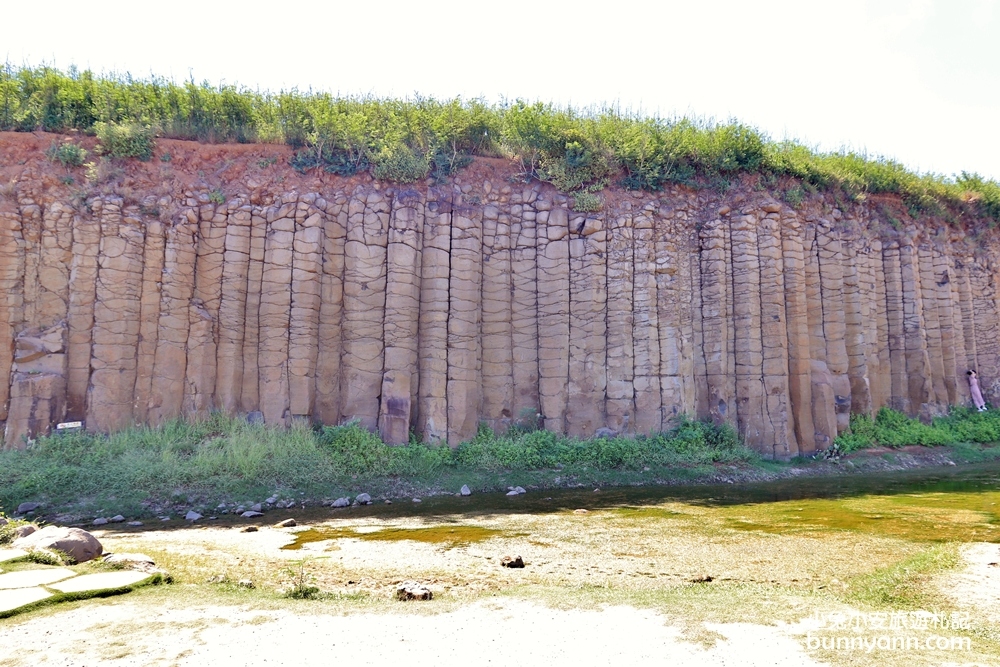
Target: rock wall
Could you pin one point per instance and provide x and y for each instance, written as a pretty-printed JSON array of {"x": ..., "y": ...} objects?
[{"x": 436, "y": 307}]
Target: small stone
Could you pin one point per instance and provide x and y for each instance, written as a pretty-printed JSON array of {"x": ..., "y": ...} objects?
[
  {"x": 520, "y": 489},
  {"x": 250, "y": 514},
  {"x": 287, "y": 523},
  {"x": 118, "y": 518},
  {"x": 245, "y": 583},
  {"x": 341, "y": 502},
  {"x": 99, "y": 521},
  {"x": 580, "y": 511},
  {"x": 164, "y": 518},
  {"x": 514, "y": 562},
  {"x": 256, "y": 507},
  {"x": 597, "y": 490},
  {"x": 465, "y": 490},
  {"x": 513, "y": 493},
  {"x": 24, "y": 531},
  {"x": 388, "y": 502},
  {"x": 134, "y": 524},
  {"x": 220, "y": 506},
  {"x": 410, "y": 590},
  {"x": 240, "y": 509},
  {"x": 249, "y": 529},
  {"x": 24, "y": 508},
  {"x": 192, "y": 516},
  {"x": 417, "y": 500},
  {"x": 271, "y": 500},
  {"x": 3, "y": 521},
  {"x": 363, "y": 499},
  {"x": 255, "y": 417}
]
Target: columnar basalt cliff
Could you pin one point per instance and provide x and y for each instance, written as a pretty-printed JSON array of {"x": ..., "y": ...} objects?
[{"x": 434, "y": 307}]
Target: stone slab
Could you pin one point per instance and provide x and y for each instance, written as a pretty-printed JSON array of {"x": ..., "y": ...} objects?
[
  {"x": 11, "y": 554},
  {"x": 30, "y": 578},
  {"x": 102, "y": 581},
  {"x": 13, "y": 599}
]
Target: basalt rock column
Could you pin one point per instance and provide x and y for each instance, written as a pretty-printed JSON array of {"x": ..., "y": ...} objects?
[
  {"x": 116, "y": 319},
  {"x": 363, "y": 356},
  {"x": 797, "y": 326},
  {"x": 303, "y": 328},
  {"x": 233, "y": 311},
  {"x": 402, "y": 317},
  {"x": 275, "y": 313},
  {"x": 645, "y": 326},
  {"x": 464, "y": 320},
  {"x": 553, "y": 314},
  {"x": 498, "y": 369},
  {"x": 524, "y": 299},
  {"x": 432, "y": 402},
  {"x": 327, "y": 407}
]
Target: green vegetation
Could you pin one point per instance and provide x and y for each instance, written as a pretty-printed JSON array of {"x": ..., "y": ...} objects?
[
  {"x": 578, "y": 151},
  {"x": 894, "y": 429},
  {"x": 67, "y": 153},
  {"x": 226, "y": 457}
]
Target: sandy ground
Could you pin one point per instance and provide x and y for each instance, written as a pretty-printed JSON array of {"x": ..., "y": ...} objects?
[{"x": 492, "y": 632}]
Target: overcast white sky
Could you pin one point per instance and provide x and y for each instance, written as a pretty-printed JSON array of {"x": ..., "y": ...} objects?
[{"x": 915, "y": 80}]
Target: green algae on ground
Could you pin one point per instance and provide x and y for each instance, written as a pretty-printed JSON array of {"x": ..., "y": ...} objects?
[
  {"x": 920, "y": 517},
  {"x": 445, "y": 534}
]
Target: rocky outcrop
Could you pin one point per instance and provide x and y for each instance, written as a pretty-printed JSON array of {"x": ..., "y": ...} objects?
[{"x": 432, "y": 308}]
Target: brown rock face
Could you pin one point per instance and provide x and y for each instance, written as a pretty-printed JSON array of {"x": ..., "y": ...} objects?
[{"x": 433, "y": 309}]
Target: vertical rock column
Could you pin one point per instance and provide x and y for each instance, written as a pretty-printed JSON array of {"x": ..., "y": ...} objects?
[
  {"x": 11, "y": 298},
  {"x": 918, "y": 369},
  {"x": 177, "y": 289},
  {"x": 553, "y": 314},
  {"x": 402, "y": 318},
  {"x": 432, "y": 401},
  {"x": 116, "y": 320},
  {"x": 779, "y": 431},
  {"x": 464, "y": 317},
  {"x": 882, "y": 382},
  {"x": 831, "y": 273},
  {"x": 747, "y": 344},
  {"x": 250, "y": 390},
  {"x": 645, "y": 326},
  {"x": 823, "y": 393},
  {"x": 199, "y": 384},
  {"x": 327, "y": 409},
  {"x": 498, "y": 370},
  {"x": 715, "y": 327},
  {"x": 149, "y": 316},
  {"x": 856, "y": 318},
  {"x": 303, "y": 325},
  {"x": 524, "y": 324},
  {"x": 275, "y": 313},
  {"x": 363, "y": 356},
  {"x": 56, "y": 258},
  {"x": 674, "y": 316},
  {"x": 797, "y": 326},
  {"x": 932, "y": 326},
  {"x": 899, "y": 395},
  {"x": 588, "y": 328},
  {"x": 621, "y": 365},
  {"x": 233, "y": 311},
  {"x": 80, "y": 317}
]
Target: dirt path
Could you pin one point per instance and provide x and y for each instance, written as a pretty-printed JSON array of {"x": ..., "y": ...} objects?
[{"x": 492, "y": 632}]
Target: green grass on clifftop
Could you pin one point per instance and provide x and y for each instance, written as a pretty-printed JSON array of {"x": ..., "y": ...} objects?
[{"x": 578, "y": 151}]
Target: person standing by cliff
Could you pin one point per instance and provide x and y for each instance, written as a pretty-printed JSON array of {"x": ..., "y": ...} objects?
[{"x": 977, "y": 394}]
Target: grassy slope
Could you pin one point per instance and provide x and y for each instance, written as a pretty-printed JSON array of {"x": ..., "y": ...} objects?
[
  {"x": 579, "y": 151},
  {"x": 226, "y": 459}
]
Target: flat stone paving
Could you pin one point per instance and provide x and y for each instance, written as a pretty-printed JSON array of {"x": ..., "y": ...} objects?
[{"x": 19, "y": 590}]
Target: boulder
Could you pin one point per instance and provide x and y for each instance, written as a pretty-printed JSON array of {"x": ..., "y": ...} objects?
[
  {"x": 465, "y": 491},
  {"x": 25, "y": 530},
  {"x": 118, "y": 518},
  {"x": 131, "y": 561},
  {"x": 363, "y": 499},
  {"x": 99, "y": 521},
  {"x": 3, "y": 521},
  {"x": 77, "y": 544},
  {"x": 250, "y": 514},
  {"x": 287, "y": 523},
  {"x": 24, "y": 508},
  {"x": 515, "y": 562},
  {"x": 341, "y": 502},
  {"x": 256, "y": 507}
]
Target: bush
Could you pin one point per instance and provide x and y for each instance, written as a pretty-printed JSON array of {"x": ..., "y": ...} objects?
[
  {"x": 67, "y": 153},
  {"x": 125, "y": 141},
  {"x": 587, "y": 202},
  {"x": 894, "y": 429},
  {"x": 400, "y": 164}
]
